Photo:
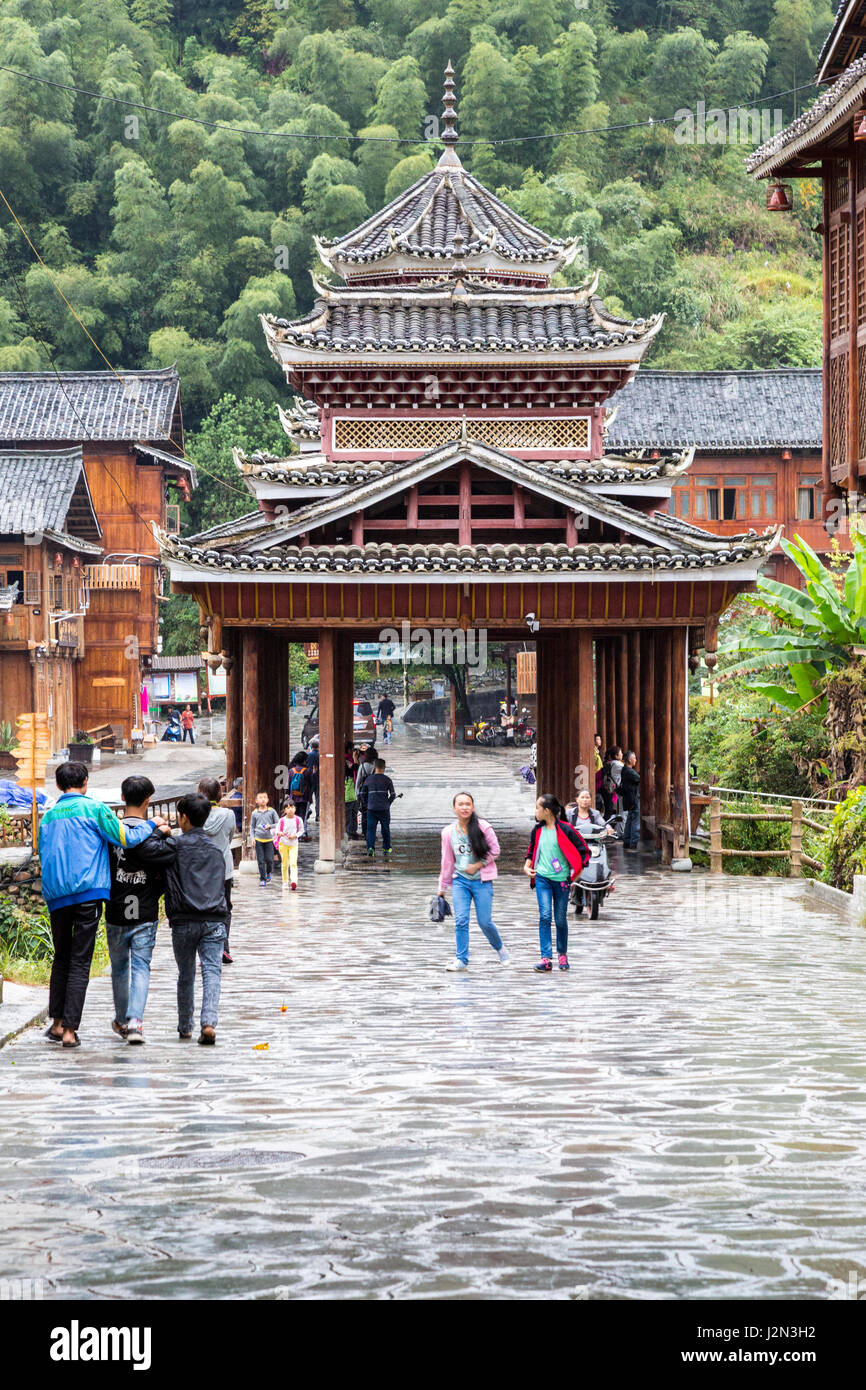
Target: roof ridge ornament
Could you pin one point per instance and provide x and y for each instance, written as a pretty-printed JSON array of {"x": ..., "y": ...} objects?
[{"x": 449, "y": 136}]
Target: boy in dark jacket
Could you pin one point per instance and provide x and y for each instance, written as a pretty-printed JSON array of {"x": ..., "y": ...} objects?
[
  {"x": 377, "y": 794},
  {"x": 195, "y": 902},
  {"x": 132, "y": 911}
]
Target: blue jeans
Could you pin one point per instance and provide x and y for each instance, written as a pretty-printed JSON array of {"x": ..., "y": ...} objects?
[
  {"x": 465, "y": 891},
  {"x": 552, "y": 900},
  {"x": 382, "y": 818},
  {"x": 631, "y": 834},
  {"x": 130, "y": 948},
  {"x": 205, "y": 939}
]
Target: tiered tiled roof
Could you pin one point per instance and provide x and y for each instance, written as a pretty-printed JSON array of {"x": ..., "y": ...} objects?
[
  {"x": 743, "y": 410},
  {"x": 460, "y": 317},
  {"x": 319, "y": 471},
  {"x": 45, "y": 492},
  {"x": 66, "y": 406},
  {"x": 447, "y": 220},
  {"x": 388, "y": 559}
]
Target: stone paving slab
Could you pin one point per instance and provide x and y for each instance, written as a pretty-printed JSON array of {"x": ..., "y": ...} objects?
[
  {"x": 21, "y": 1006},
  {"x": 680, "y": 1116}
]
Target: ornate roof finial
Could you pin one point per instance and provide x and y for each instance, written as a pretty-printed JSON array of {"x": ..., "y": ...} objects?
[{"x": 449, "y": 113}]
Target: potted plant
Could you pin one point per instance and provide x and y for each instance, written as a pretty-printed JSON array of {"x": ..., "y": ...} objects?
[
  {"x": 8, "y": 741},
  {"x": 81, "y": 748}
]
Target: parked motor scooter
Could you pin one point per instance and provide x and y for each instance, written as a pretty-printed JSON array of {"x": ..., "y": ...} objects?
[
  {"x": 596, "y": 880},
  {"x": 173, "y": 731}
]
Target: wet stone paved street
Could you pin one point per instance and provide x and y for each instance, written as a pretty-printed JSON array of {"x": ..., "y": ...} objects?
[{"x": 680, "y": 1116}]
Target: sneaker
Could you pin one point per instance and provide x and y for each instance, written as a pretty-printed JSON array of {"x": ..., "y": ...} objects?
[
  {"x": 456, "y": 964},
  {"x": 387, "y": 853},
  {"x": 544, "y": 964},
  {"x": 563, "y": 963},
  {"x": 504, "y": 957},
  {"x": 134, "y": 1031},
  {"x": 118, "y": 1028},
  {"x": 294, "y": 888},
  {"x": 207, "y": 1037},
  {"x": 184, "y": 1037},
  {"x": 228, "y": 958},
  {"x": 262, "y": 883},
  {"x": 268, "y": 879},
  {"x": 371, "y": 854}
]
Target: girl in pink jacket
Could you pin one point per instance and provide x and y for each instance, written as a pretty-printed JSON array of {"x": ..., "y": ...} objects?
[{"x": 469, "y": 853}]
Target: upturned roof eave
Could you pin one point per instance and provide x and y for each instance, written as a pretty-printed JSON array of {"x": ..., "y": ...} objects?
[{"x": 833, "y": 108}]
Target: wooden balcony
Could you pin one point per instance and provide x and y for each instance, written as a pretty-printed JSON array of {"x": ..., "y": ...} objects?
[{"x": 112, "y": 577}]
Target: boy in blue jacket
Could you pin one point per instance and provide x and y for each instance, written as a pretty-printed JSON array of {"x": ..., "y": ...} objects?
[{"x": 76, "y": 880}]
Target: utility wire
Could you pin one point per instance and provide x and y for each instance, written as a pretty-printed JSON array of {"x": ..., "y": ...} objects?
[
  {"x": 385, "y": 139},
  {"x": 160, "y": 432}
]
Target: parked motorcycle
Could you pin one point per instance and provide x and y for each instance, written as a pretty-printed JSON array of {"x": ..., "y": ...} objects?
[
  {"x": 523, "y": 730},
  {"x": 173, "y": 731},
  {"x": 596, "y": 880}
]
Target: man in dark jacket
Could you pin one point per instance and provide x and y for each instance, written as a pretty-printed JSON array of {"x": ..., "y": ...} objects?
[
  {"x": 385, "y": 710},
  {"x": 630, "y": 792},
  {"x": 195, "y": 902},
  {"x": 132, "y": 911},
  {"x": 377, "y": 794}
]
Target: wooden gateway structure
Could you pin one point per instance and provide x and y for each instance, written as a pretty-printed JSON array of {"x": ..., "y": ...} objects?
[{"x": 451, "y": 473}]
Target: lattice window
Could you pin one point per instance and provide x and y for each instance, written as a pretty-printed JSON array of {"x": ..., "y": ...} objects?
[
  {"x": 32, "y": 586},
  {"x": 839, "y": 264},
  {"x": 839, "y": 412},
  {"x": 861, "y": 402},
  {"x": 425, "y": 433},
  {"x": 861, "y": 266},
  {"x": 838, "y": 191}
]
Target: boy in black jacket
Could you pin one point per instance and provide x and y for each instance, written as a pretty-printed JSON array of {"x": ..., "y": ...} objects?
[
  {"x": 377, "y": 794},
  {"x": 132, "y": 912},
  {"x": 195, "y": 902}
]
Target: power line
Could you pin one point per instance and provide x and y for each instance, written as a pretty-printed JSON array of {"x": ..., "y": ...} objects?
[
  {"x": 384, "y": 139},
  {"x": 160, "y": 433}
]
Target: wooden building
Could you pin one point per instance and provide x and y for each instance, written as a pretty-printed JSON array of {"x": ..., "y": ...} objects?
[
  {"x": 49, "y": 536},
  {"x": 453, "y": 474},
  {"x": 828, "y": 143},
  {"x": 127, "y": 428},
  {"x": 757, "y": 437}
]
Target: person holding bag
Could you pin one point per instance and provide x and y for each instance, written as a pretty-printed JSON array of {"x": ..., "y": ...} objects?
[
  {"x": 351, "y": 808},
  {"x": 469, "y": 853}
]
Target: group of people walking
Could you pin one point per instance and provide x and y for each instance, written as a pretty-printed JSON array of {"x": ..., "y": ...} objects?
[
  {"x": 617, "y": 785},
  {"x": 555, "y": 857},
  {"x": 90, "y": 858}
]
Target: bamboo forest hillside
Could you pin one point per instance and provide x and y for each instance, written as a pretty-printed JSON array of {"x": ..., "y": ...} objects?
[{"x": 171, "y": 164}]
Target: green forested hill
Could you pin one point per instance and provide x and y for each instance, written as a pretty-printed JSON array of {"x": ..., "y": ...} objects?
[{"x": 171, "y": 229}]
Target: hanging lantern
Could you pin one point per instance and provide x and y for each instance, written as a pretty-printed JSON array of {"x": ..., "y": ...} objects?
[
  {"x": 779, "y": 197},
  {"x": 860, "y": 125}
]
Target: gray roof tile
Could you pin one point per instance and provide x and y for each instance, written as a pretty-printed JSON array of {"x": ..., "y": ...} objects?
[
  {"x": 38, "y": 489},
  {"x": 748, "y": 410},
  {"x": 87, "y": 405}
]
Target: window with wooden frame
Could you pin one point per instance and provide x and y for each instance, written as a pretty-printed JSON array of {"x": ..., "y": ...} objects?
[
  {"x": 12, "y": 575},
  {"x": 33, "y": 587},
  {"x": 809, "y": 497},
  {"x": 729, "y": 498},
  {"x": 56, "y": 590}
]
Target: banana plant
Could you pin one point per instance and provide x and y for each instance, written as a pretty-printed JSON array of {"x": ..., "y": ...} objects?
[{"x": 820, "y": 627}]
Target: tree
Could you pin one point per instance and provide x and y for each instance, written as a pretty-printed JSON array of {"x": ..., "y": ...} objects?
[
  {"x": 378, "y": 152},
  {"x": 231, "y": 423},
  {"x": 737, "y": 73},
  {"x": 401, "y": 100},
  {"x": 820, "y": 632},
  {"x": 407, "y": 172},
  {"x": 681, "y": 65},
  {"x": 576, "y": 52}
]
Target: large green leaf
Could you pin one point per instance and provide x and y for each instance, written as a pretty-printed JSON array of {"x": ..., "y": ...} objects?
[{"x": 778, "y": 694}]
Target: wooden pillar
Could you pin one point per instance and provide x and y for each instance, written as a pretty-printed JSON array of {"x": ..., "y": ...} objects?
[
  {"x": 635, "y": 678},
  {"x": 601, "y": 690},
  {"x": 647, "y": 761},
  {"x": 585, "y": 715},
  {"x": 826, "y": 462},
  {"x": 622, "y": 734},
  {"x": 508, "y": 680},
  {"x": 233, "y": 648},
  {"x": 679, "y": 639},
  {"x": 853, "y": 305},
  {"x": 610, "y": 693},
  {"x": 545, "y": 686},
  {"x": 256, "y": 712},
  {"x": 280, "y": 703},
  {"x": 330, "y": 745},
  {"x": 464, "y": 534},
  {"x": 662, "y": 676}
]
